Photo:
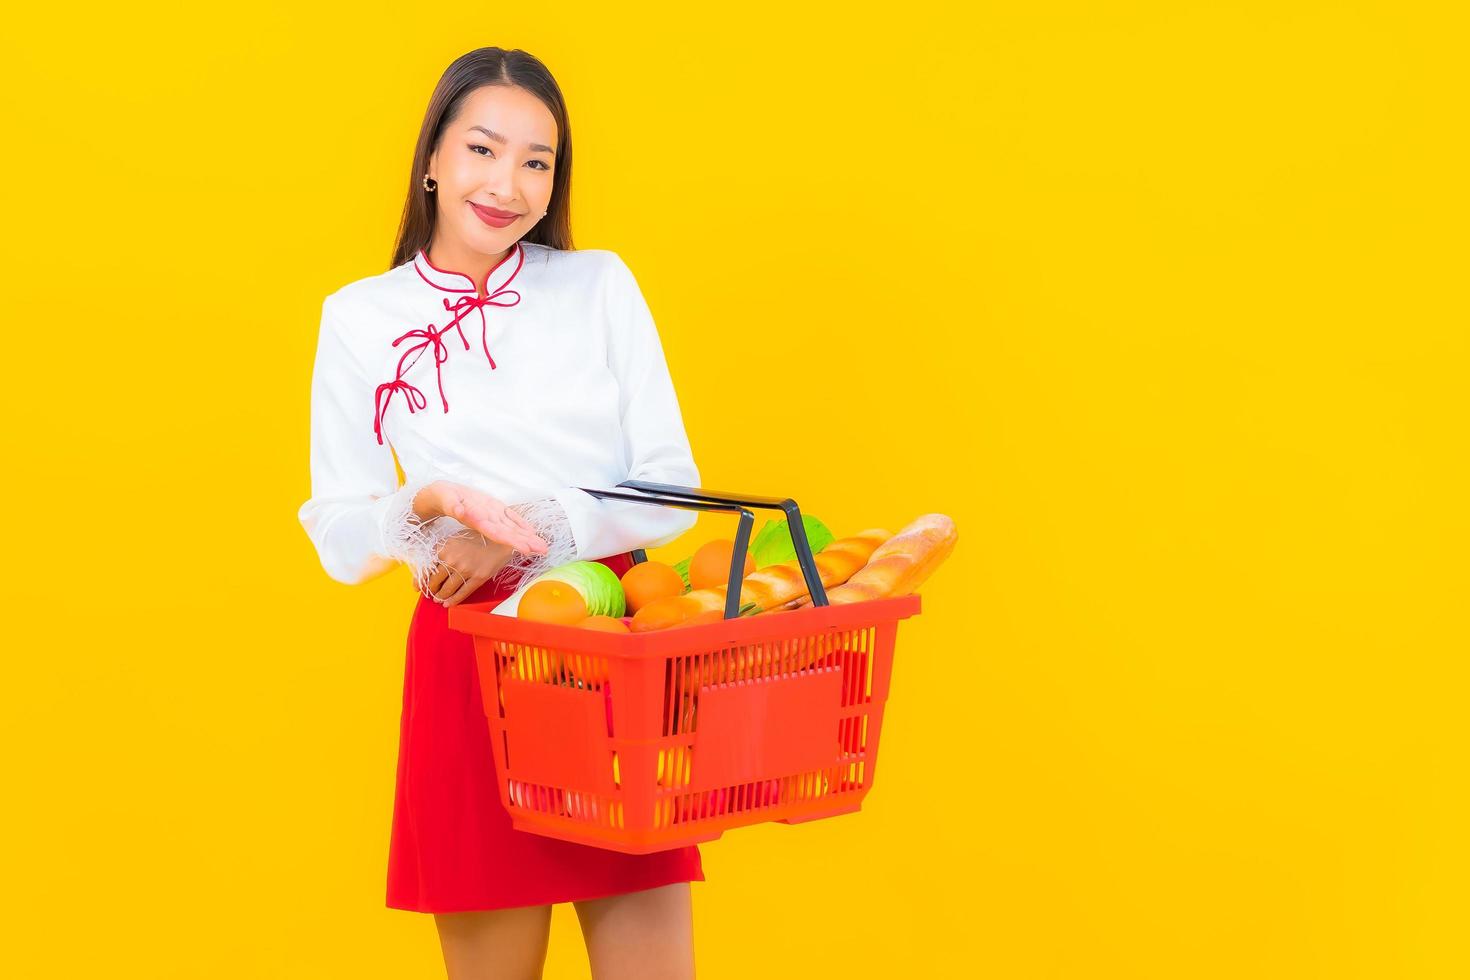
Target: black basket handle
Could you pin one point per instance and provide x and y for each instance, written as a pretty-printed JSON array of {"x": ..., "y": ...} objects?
[{"x": 697, "y": 498}]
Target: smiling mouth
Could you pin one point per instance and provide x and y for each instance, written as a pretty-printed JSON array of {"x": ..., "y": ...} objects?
[{"x": 492, "y": 212}]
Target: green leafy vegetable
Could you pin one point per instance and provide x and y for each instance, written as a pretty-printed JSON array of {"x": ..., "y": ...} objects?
[
  {"x": 598, "y": 585},
  {"x": 773, "y": 545}
]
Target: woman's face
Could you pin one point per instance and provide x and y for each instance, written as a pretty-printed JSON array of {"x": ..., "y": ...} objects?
[{"x": 499, "y": 154}]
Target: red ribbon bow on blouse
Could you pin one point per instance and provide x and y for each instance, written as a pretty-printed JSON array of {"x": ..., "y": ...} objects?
[{"x": 432, "y": 337}]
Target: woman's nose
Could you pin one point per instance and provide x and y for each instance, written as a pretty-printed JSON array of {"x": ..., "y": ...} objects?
[{"x": 501, "y": 183}]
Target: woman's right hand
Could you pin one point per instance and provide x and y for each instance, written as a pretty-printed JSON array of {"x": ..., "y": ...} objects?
[
  {"x": 484, "y": 513},
  {"x": 466, "y": 562}
]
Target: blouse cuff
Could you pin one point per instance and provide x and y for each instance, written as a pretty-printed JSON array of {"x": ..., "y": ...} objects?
[
  {"x": 410, "y": 540},
  {"x": 549, "y": 519}
]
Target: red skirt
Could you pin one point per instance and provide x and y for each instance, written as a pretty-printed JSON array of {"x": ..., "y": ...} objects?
[{"x": 453, "y": 848}]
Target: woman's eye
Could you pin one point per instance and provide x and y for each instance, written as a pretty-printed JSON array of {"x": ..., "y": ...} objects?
[{"x": 474, "y": 147}]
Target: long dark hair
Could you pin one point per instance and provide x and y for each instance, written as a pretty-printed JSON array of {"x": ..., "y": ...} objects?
[{"x": 487, "y": 66}]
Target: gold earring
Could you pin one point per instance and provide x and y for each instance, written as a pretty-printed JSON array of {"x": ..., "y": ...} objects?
[{"x": 430, "y": 183}]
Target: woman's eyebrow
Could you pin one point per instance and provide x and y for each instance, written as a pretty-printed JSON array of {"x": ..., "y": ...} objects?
[{"x": 535, "y": 147}]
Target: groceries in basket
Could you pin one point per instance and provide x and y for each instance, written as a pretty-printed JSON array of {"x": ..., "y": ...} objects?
[{"x": 872, "y": 564}]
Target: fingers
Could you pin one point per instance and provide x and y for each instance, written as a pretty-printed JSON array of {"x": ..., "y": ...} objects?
[
  {"x": 449, "y": 584},
  {"x": 495, "y": 520},
  {"x": 519, "y": 519},
  {"x": 534, "y": 543},
  {"x": 464, "y": 565},
  {"x": 435, "y": 579},
  {"x": 465, "y": 590},
  {"x": 527, "y": 541},
  {"x": 498, "y": 528}
]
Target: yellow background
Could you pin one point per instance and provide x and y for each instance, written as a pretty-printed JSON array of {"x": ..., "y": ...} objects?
[{"x": 1157, "y": 301}]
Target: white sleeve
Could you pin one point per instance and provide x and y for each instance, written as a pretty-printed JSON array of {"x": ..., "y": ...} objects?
[
  {"x": 580, "y": 527},
  {"x": 653, "y": 433},
  {"x": 359, "y": 519}
]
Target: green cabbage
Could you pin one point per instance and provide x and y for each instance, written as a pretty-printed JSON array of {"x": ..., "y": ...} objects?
[{"x": 598, "y": 585}]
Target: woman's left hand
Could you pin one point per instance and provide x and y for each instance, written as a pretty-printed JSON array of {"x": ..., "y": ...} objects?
[{"x": 466, "y": 561}]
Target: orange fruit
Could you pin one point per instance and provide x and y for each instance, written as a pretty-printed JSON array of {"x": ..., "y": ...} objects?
[
  {"x": 650, "y": 580},
  {"x": 590, "y": 668},
  {"x": 552, "y": 602},
  {"x": 537, "y": 666},
  {"x": 658, "y": 614},
  {"x": 710, "y": 565},
  {"x": 708, "y": 616},
  {"x": 608, "y": 624}
]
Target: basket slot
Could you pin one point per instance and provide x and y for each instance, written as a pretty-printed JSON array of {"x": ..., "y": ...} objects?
[
  {"x": 748, "y": 731},
  {"x": 590, "y": 808},
  {"x": 865, "y": 683},
  {"x": 560, "y": 735},
  {"x": 730, "y": 801},
  {"x": 554, "y": 801}
]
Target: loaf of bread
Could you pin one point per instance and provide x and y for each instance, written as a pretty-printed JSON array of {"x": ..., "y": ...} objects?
[
  {"x": 899, "y": 565},
  {"x": 767, "y": 587}
]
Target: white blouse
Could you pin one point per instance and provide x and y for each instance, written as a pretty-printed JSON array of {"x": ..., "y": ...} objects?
[{"x": 555, "y": 380}]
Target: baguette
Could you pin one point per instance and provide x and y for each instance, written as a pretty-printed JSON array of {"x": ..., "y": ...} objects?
[
  {"x": 767, "y": 587},
  {"x": 899, "y": 565}
]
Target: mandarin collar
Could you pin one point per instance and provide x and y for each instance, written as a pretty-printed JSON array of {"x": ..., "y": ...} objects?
[
  {"x": 450, "y": 281},
  {"x": 431, "y": 338}
]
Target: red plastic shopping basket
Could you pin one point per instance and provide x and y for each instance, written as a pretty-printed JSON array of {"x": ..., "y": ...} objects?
[{"x": 646, "y": 741}]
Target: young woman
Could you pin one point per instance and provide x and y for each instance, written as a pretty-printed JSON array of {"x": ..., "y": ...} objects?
[{"x": 505, "y": 370}]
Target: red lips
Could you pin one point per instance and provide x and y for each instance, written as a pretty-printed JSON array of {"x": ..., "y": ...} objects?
[{"x": 493, "y": 212}]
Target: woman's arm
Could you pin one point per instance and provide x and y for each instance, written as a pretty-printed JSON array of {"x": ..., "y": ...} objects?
[
  {"x": 359, "y": 519},
  {"x": 653, "y": 433},
  {"x": 580, "y": 527}
]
